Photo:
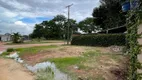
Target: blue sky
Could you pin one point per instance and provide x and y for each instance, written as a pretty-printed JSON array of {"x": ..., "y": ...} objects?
[
  {"x": 22, "y": 15},
  {"x": 35, "y": 20}
]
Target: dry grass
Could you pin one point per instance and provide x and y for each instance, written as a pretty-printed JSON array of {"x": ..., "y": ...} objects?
[{"x": 95, "y": 63}]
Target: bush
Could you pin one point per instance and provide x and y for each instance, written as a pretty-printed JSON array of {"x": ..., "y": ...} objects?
[
  {"x": 10, "y": 50},
  {"x": 99, "y": 40}
]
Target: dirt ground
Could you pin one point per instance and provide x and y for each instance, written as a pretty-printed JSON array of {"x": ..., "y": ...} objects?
[
  {"x": 11, "y": 70},
  {"x": 31, "y": 45},
  {"x": 63, "y": 51}
]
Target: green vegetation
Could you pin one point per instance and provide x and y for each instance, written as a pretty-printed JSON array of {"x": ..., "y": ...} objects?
[
  {"x": 5, "y": 53},
  {"x": 91, "y": 58},
  {"x": 53, "y": 29},
  {"x": 133, "y": 48},
  {"x": 45, "y": 74},
  {"x": 10, "y": 50},
  {"x": 108, "y": 14},
  {"x": 99, "y": 40},
  {"x": 63, "y": 63},
  {"x": 17, "y": 38},
  {"x": 87, "y": 25},
  {"x": 35, "y": 41},
  {"x": 33, "y": 50}
]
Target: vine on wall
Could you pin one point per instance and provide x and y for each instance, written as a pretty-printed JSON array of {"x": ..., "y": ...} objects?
[{"x": 133, "y": 21}]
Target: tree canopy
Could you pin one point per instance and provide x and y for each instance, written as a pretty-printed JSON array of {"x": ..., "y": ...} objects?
[
  {"x": 53, "y": 29},
  {"x": 109, "y": 14},
  {"x": 88, "y": 26}
]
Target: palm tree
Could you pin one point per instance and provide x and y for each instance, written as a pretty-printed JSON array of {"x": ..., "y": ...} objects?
[{"x": 16, "y": 37}]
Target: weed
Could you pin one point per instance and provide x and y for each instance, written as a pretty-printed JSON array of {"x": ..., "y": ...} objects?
[{"x": 45, "y": 74}]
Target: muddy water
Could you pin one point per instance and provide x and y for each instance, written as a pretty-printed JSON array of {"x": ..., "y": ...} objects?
[{"x": 58, "y": 75}]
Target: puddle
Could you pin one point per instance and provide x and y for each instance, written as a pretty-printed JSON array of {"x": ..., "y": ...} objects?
[{"x": 58, "y": 75}]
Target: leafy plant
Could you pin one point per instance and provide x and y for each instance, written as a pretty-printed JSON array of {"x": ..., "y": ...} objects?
[{"x": 133, "y": 48}]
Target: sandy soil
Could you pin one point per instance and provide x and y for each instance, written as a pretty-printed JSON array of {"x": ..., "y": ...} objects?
[{"x": 10, "y": 70}]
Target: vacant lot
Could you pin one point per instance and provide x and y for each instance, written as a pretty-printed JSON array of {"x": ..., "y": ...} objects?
[
  {"x": 79, "y": 62},
  {"x": 87, "y": 63}
]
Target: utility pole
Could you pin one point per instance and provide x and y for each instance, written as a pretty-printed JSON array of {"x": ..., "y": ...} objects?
[{"x": 68, "y": 23}]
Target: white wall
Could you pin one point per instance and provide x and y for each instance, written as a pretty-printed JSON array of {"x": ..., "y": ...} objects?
[{"x": 5, "y": 38}]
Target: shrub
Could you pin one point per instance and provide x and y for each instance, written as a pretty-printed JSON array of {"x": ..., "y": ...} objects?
[
  {"x": 99, "y": 40},
  {"x": 10, "y": 50}
]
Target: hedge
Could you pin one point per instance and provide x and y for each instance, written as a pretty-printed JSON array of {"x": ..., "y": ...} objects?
[{"x": 99, "y": 40}]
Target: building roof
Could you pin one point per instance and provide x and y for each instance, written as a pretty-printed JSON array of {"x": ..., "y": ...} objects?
[{"x": 120, "y": 29}]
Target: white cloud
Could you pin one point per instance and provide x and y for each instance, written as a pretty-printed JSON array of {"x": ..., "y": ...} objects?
[
  {"x": 14, "y": 10},
  {"x": 20, "y": 23}
]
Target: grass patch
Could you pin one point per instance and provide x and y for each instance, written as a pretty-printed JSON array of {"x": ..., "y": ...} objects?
[
  {"x": 63, "y": 63},
  {"x": 35, "y": 42},
  {"x": 33, "y": 50},
  {"x": 88, "y": 61},
  {"x": 5, "y": 53}
]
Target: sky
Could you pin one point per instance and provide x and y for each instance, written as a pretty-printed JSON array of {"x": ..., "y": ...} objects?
[{"x": 21, "y": 15}]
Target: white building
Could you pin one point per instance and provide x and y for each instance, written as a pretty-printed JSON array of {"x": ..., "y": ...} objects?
[{"x": 5, "y": 37}]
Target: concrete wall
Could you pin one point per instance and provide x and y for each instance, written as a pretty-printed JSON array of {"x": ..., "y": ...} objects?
[{"x": 5, "y": 38}]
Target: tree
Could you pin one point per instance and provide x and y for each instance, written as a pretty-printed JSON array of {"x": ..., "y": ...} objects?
[
  {"x": 109, "y": 15},
  {"x": 88, "y": 26},
  {"x": 54, "y": 29},
  {"x": 38, "y": 31},
  {"x": 60, "y": 24},
  {"x": 16, "y": 38}
]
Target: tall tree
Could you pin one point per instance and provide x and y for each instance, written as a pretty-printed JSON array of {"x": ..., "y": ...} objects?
[
  {"x": 88, "y": 26},
  {"x": 38, "y": 31},
  {"x": 108, "y": 14},
  {"x": 53, "y": 29}
]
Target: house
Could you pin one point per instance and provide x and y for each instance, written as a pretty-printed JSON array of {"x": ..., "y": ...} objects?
[{"x": 5, "y": 37}]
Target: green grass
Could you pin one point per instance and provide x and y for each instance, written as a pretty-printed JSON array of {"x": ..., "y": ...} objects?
[
  {"x": 63, "y": 63},
  {"x": 5, "y": 53},
  {"x": 89, "y": 57},
  {"x": 35, "y": 42},
  {"x": 33, "y": 50}
]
